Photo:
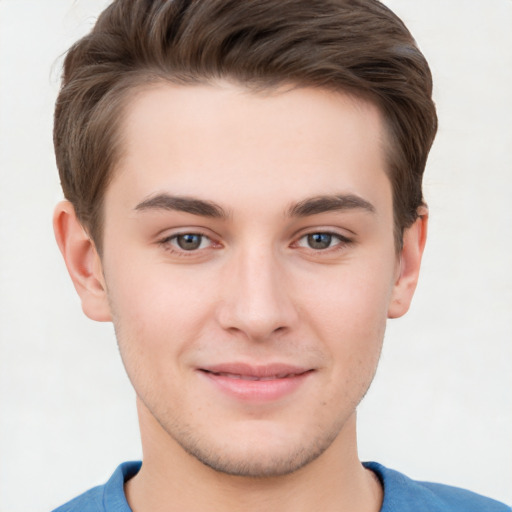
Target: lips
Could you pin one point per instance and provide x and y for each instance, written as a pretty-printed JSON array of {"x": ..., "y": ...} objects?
[
  {"x": 256, "y": 372},
  {"x": 254, "y": 377},
  {"x": 256, "y": 382}
]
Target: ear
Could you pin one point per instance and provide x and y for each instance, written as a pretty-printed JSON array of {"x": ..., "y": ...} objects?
[
  {"x": 82, "y": 261},
  {"x": 409, "y": 265}
]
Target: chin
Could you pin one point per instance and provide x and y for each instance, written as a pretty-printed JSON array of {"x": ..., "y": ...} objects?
[
  {"x": 260, "y": 456},
  {"x": 257, "y": 464}
]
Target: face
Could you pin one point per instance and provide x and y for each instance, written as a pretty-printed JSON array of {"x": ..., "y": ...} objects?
[{"x": 250, "y": 267}]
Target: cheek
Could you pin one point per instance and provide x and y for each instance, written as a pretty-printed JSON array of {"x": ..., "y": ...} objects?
[
  {"x": 149, "y": 288},
  {"x": 156, "y": 324},
  {"x": 348, "y": 311},
  {"x": 157, "y": 310},
  {"x": 348, "y": 299}
]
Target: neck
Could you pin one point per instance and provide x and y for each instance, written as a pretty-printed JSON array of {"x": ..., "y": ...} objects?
[{"x": 172, "y": 480}]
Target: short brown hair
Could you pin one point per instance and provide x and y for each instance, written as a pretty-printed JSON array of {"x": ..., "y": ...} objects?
[{"x": 354, "y": 46}]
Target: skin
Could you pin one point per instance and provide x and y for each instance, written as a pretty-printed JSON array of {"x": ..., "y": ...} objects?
[{"x": 293, "y": 262}]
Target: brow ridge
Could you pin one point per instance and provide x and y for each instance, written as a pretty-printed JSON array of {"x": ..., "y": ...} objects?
[
  {"x": 328, "y": 203},
  {"x": 184, "y": 204}
]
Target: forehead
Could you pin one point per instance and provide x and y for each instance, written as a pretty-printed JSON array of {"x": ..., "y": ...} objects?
[{"x": 227, "y": 141}]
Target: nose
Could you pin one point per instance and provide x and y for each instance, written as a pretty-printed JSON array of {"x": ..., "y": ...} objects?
[{"x": 257, "y": 299}]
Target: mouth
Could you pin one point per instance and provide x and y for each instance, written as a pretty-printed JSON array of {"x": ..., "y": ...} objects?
[
  {"x": 253, "y": 377},
  {"x": 256, "y": 383}
]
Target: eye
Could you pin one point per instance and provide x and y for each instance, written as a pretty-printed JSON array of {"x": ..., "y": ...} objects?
[
  {"x": 188, "y": 241},
  {"x": 321, "y": 241}
]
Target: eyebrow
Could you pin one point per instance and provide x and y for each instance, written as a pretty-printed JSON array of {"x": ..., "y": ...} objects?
[
  {"x": 329, "y": 203},
  {"x": 182, "y": 204},
  {"x": 310, "y": 206}
]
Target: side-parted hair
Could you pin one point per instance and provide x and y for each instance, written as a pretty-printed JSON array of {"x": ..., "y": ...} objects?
[{"x": 358, "y": 47}]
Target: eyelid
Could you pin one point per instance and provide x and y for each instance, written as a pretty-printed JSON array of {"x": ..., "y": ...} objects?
[
  {"x": 203, "y": 239},
  {"x": 342, "y": 240},
  {"x": 166, "y": 241}
]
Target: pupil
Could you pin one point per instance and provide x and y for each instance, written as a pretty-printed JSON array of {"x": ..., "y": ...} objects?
[
  {"x": 189, "y": 242},
  {"x": 319, "y": 240}
]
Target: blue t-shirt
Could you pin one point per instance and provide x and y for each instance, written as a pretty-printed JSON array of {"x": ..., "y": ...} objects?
[{"x": 401, "y": 494}]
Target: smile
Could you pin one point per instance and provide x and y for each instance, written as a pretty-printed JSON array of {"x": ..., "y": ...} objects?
[
  {"x": 256, "y": 383},
  {"x": 253, "y": 377}
]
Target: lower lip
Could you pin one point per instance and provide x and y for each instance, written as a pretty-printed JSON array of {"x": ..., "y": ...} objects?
[{"x": 257, "y": 390}]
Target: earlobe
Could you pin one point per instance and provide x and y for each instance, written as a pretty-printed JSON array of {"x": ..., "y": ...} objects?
[
  {"x": 410, "y": 261},
  {"x": 82, "y": 261}
]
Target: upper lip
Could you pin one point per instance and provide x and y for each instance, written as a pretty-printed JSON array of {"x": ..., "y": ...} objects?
[{"x": 250, "y": 371}]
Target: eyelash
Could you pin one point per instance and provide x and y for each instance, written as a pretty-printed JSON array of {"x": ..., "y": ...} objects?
[
  {"x": 169, "y": 243},
  {"x": 341, "y": 241}
]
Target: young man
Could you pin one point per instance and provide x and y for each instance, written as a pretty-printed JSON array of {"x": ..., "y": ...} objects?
[{"x": 243, "y": 185}]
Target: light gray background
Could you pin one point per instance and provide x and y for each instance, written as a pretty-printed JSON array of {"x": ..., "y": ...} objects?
[{"x": 441, "y": 406}]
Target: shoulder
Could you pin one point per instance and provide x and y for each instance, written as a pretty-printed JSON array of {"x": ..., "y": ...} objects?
[
  {"x": 402, "y": 493},
  {"x": 107, "y": 497},
  {"x": 90, "y": 501}
]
